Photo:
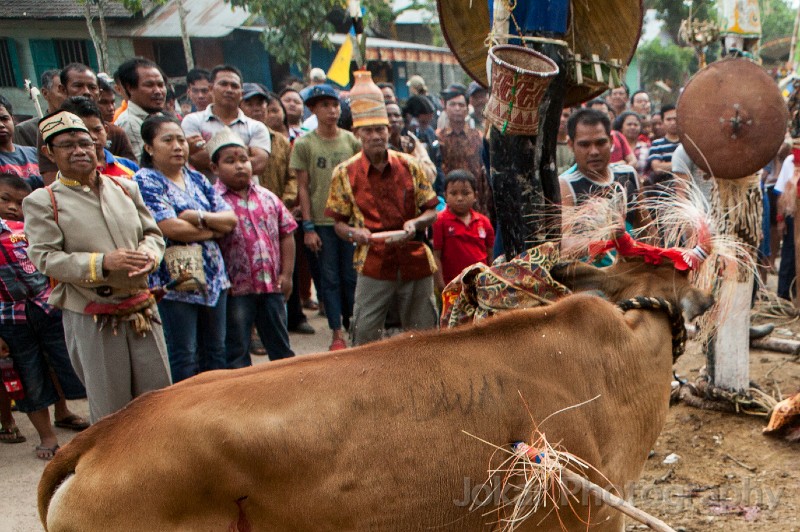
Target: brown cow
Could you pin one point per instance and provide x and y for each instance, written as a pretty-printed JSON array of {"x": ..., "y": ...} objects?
[{"x": 374, "y": 437}]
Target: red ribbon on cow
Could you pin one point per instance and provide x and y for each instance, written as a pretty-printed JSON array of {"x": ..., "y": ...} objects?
[{"x": 683, "y": 259}]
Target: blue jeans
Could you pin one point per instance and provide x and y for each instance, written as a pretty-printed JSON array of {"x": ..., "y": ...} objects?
[
  {"x": 787, "y": 267},
  {"x": 195, "y": 336},
  {"x": 37, "y": 346},
  {"x": 338, "y": 277},
  {"x": 268, "y": 312}
]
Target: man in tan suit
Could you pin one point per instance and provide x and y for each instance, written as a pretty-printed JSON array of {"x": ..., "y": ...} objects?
[{"x": 93, "y": 235}]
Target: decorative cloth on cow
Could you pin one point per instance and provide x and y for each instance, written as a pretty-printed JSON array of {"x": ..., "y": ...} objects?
[
  {"x": 523, "y": 282},
  {"x": 383, "y": 201},
  {"x": 70, "y": 250}
]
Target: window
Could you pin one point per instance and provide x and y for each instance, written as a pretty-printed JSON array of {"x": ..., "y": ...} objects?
[
  {"x": 7, "y": 77},
  {"x": 71, "y": 51},
  {"x": 170, "y": 57}
]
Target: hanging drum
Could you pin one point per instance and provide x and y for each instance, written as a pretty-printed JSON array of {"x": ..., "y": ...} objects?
[
  {"x": 520, "y": 78},
  {"x": 732, "y": 118}
]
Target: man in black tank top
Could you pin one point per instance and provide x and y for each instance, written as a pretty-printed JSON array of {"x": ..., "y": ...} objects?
[{"x": 590, "y": 139}]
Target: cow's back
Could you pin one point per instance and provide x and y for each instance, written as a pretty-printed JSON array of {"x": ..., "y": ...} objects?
[{"x": 383, "y": 436}]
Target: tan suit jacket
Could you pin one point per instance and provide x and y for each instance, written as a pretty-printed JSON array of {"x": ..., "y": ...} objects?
[{"x": 72, "y": 250}]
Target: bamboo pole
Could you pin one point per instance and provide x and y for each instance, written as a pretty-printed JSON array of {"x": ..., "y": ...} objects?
[
  {"x": 615, "y": 502},
  {"x": 792, "y": 47}
]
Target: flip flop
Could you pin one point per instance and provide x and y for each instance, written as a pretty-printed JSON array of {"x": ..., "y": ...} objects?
[
  {"x": 47, "y": 453},
  {"x": 72, "y": 422},
  {"x": 11, "y": 435}
]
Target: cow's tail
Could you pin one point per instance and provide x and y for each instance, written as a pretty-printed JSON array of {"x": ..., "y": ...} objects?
[{"x": 55, "y": 473}]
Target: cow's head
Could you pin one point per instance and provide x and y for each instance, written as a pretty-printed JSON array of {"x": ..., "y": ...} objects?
[{"x": 634, "y": 277}]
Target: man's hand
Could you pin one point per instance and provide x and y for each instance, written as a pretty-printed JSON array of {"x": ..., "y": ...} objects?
[
  {"x": 285, "y": 285},
  {"x": 410, "y": 227},
  {"x": 5, "y": 352},
  {"x": 361, "y": 235},
  {"x": 313, "y": 241},
  {"x": 196, "y": 143},
  {"x": 147, "y": 268},
  {"x": 127, "y": 260}
]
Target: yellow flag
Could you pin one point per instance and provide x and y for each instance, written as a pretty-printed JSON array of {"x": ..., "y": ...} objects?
[{"x": 340, "y": 68}]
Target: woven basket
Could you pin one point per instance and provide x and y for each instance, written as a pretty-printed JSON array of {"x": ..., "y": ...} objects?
[{"x": 520, "y": 77}]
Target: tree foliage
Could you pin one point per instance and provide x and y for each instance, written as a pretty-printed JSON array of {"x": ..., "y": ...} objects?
[
  {"x": 293, "y": 25},
  {"x": 673, "y": 12},
  {"x": 668, "y": 63},
  {"x": 777, "y": 19}
]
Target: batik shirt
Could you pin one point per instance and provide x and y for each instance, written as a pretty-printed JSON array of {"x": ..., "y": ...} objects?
[
  {"x": 166, "y": 200},
  {"x": 463, "y": 150},
  {"x": 252, "y": 251},
  {"x": 20, "y": 281}
]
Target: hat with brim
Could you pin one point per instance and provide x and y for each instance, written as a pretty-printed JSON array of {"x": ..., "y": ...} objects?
[
  {"x": 315, "y": 93},
  {"x": 222, "y": 139},
  {"x": 60, "y": 122},
  {"x": 250, "y": 90},
  {"x": 608, "y": 29}
]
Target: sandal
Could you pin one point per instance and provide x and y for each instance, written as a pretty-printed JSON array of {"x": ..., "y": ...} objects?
[
  {"x": 11, "y": 434},
  {"x": 72, "y": 422},
  {"x": 46, "y": 453}
]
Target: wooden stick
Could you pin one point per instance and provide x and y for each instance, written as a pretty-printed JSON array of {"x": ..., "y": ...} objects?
[
  {"x": 779, "y": 345},
  {"x": 617, "y": 503},
  {"x": 740, "y": 464}
]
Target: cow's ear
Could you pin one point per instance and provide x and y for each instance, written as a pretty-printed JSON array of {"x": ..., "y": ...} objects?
[{"x": 579, "y": 276}]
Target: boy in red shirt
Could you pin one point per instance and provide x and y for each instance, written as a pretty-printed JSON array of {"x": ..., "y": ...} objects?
[{"x": 461, "y": 235}]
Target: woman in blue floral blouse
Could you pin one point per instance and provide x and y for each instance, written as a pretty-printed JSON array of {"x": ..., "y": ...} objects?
[{"x": 189, "y": 212}]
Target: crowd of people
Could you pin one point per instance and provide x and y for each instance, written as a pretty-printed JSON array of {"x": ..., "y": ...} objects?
[{"x": 146, "y": 239}]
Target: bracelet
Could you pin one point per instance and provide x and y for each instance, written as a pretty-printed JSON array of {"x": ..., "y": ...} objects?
[
  {"x": 201, "y": 220},
  {"x": 308, "y": 226}
]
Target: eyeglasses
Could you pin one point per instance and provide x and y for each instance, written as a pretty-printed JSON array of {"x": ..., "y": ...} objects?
[{"x": 72, "y": 146}]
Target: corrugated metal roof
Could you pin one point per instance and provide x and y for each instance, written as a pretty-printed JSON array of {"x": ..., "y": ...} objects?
[
  {"x": 61, "y": 9},
  {"x": 205, "y": 18}
]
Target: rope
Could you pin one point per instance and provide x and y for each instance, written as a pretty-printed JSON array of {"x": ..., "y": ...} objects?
[{"x": 676, "y": 322}]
